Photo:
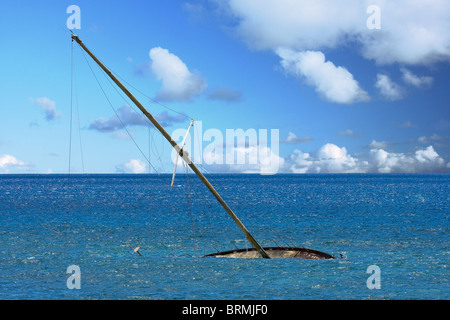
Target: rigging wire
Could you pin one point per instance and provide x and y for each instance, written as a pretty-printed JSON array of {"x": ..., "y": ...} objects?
[
  {"x": 112, "y": 107},
  {"x": 144, "y": 119},
  {"x": 151, "y": 99},
  {"x": 78, "y": 120},
  {"x": 71, "y": 106},
  {"x": 158, "y": 155},
  {"x": 154, "y": 101}
]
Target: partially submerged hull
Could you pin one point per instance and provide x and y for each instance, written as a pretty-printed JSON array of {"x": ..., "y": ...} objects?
[{"x": 274, "y": 253}]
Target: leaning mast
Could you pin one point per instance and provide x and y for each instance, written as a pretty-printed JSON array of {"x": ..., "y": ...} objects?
[{"x": 177, "y": 149}]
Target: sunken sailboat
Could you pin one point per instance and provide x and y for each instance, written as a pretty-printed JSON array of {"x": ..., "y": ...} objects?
[{"x": 257, "y": 251}]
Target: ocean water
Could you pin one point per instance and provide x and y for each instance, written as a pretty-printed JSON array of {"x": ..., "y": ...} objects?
[{"x": 399, "y": 223}]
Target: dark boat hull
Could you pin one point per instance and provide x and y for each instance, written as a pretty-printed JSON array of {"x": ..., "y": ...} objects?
[{"x": 274, "y": 253}]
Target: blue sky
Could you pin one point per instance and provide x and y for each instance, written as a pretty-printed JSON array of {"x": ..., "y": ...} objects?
[{"x": 346, "y": 95}]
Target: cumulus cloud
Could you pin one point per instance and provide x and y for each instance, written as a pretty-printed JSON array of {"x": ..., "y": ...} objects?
[
  {"x": 414, "y": 80},
  {"x": 301, "y": 162},
  {"x": 333, "y": 159},
  {"x": 132, "y": 166},
  {"x": 328, "y": 159},
  {"x": 434, "y": 138},
  {"x": 297, "y": 24},
  {"x": 293, "y": 139},
  {"x": 9, "y": 162},
  {"x": 411, "y": 33},
  {"x": 385, "y": 162},
  {"x": 388, "y": 88},
  {"x": 48, "y": 106},
  {"x": 336, "y": 84},
  {"x": 424, "y": 160},
  {"x": 428, "y": 155},
  {"x": 178, "y": 83},
  {"x": 126, "y": 116},
  {"x": 379, "y": 144}
]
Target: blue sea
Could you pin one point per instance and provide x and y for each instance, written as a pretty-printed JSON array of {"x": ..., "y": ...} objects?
[{"x": 397, "y": 223}]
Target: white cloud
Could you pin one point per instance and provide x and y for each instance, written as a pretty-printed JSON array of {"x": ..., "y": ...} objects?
[
  {"x": 414, "y": 80},
  {"x": 132, "y": 166},
  {"x": 293, "y": 139},
  {"x": 301, "y": 162},
  {"x": 48, "y": 106},
  {"x": 8, "y": 162},
  {"x": 178, "y": 83},
  {"x": 433, "y": 138},
  {"x": 388, "y": 88},
  {"x": 428, "y": 155},
  {"x": 393, "y": 91},
  {"x": 378, "y": 144},
  {"x": 412, "y": 32},
  {"x": 299, "y": 25},
  {"x": 385, "y": 162},
  {"x": 329, "y": 159},
  {"x": 424, "y": 160},
  {"x": 333, "y": 159},
  {"x": 336, "y": 84}
]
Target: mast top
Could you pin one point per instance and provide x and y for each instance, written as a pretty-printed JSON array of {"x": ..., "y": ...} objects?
[{"x": 75, "y": 37}]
